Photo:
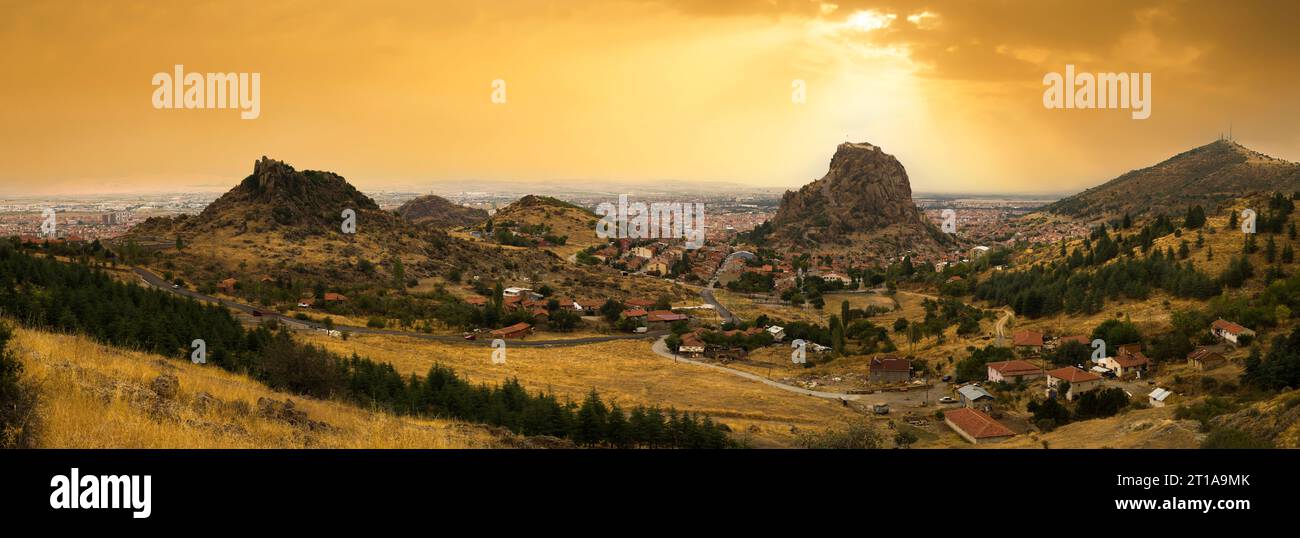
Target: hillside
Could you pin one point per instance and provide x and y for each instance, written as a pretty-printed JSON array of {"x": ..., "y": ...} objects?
[
  {"x": 1205, "y": 176},
  {"x": 546, "y": 222},
  {"x": 93, "y": 396},
  {"x": 438, "y": 212},
  {"x": 865, "y": 199},
  {"x": 284, "y": 225}
]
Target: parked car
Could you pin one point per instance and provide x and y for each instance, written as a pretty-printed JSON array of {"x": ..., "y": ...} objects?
[
  {"x": 947, "y": 400},
  {"x": 471, "y": 336},
  {"x": 947, "y": 378}
]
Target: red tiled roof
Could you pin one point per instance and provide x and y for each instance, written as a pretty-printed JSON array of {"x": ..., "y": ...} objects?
[
  {"x": 516, "y": 328},
  {"x": 1203, "y": 353},
  {"x": 1131, "y": 360},
  {"x": 1073, "y": 375},
  {"x": 634, "y": 313},
  {"x": 1027, "y": 338},
  {"x": 1014, "y": 368},
  {"x": 639, "y": 302},
  {"x": 331, "y": 296},
  {"x": 1076, "y": 338},
  {"x": 664, "y": 315},
  {"x": 976, "y": 423},
  {"x": 890, "y": 364},
  {"x": 477, "y": 300},
  {"x": 1228, "y": 326}
]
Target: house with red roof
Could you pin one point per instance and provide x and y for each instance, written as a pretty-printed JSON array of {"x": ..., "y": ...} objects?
[
  {"x": 1132, "y": 364},
  {"x": 889, "y": 369},
  {"x": 1013, "y": 371},
  {"x": 1026, "y": 339},
  {"x": 518, "y": 330},
  {"x": 976, "y": 426},
  {"x": 1079, "y": 380},
  {"x": 664, "y": 317},
  {"x": 1229, "y": 331}
]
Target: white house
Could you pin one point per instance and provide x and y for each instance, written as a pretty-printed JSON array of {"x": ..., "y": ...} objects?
[
  {"x": 777, "y": 332},
  {"x": 1229, "y": 331},
  {"x": 1079, "y": 380}
]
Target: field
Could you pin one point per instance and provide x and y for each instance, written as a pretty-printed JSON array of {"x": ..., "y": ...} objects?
[
  {"x": 91, "y": 396},
  {"x": 627, "y": 372}
]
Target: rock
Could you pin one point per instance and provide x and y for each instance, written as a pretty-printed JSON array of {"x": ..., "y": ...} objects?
[
  {"x": 166, "y": 386},
  {"x": 865, "y": 190},
  {"x": 203, "y": 402}
]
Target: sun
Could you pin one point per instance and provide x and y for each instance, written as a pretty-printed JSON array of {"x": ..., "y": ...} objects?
[{"x": 869, "y": 20}]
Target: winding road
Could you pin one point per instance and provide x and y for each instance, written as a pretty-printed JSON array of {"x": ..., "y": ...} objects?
[{"x": 155, "y": 281}]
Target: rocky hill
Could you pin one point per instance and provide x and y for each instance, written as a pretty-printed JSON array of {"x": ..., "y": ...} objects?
[
  {"x": 285, "y": 225},
  {"x": 438, "y": 212},
  {"x": 1207, "y": 176},
  {"x": 536, "y": 218},
  {"x": 865, "y": 197}
]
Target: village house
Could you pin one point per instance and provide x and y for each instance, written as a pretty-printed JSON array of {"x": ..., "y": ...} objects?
[
  {"x": 661, "y": 318},
  {"x": 1127, "y": 365},
  {"x": 476, "y": 300},
  {"x": 1129, "y": 349},
  {"x": 1072, "y": 338},
  {"x": 1229, "y": 331},
  {"x": 518, "y": 330},
  {"x": 635, "y": 313},
  {"x": 1158, "y": 397},
  {"x": 777, "y": 332},
  {"x": 1079, "y": 380},
  {"x": 1204, "y": 358},
  {"x": 691, "y": 346},
  {"x": 306, "y": 303},
  {"x": 975, "y": 397},
  {"x": 1028, "y": 340},
  {"x": 976, "y": 426},
  {"x": 331, "y": 297},
  {"x": 227, "y": 286},
  {"x": 889, "y": 369},
  {"x": 1013, "y": 371}
]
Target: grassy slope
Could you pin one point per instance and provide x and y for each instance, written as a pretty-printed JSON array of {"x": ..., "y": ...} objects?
[
  {"x": 624, "y": 372},
  {"x": 92, "y": 396}
]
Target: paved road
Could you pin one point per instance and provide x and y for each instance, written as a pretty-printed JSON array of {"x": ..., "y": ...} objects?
[
  {"x": 157, "y": 282},
  {"x": 707, "y": 295}
]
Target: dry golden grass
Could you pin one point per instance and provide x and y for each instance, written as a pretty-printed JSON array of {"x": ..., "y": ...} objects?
[
  {"x": 93, "y": 396},
  {"x": 627, "y": 372}
]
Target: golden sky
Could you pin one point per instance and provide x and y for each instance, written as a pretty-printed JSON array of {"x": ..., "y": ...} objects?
[{"x": 397, "y": 95}]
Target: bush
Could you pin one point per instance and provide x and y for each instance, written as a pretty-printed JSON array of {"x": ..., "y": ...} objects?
[
  {"x": 1234, "y": 438},
  {"x": 17, "y": 399}
]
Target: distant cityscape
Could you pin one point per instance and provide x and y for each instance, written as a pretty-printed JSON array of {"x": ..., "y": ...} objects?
[{"x": 984, "y": 219}]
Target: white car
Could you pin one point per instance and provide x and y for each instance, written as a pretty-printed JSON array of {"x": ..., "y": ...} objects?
[{"x": 947, "y": 400}]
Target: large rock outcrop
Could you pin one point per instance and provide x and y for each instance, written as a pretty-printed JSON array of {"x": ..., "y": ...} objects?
[{"x": 865, "y": 193}]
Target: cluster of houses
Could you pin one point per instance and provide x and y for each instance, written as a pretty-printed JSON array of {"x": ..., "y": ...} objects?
[{"x": 972, "y": 420}]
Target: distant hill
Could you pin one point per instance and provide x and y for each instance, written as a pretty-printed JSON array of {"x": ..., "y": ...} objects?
[
  {"x": 439, "y": 212},
  {"x": 536, "y": 218},
  {"x": 283, "y": 224},
  {"x": 1207, "y": 176},
  {"x": 865, "y": 198}
]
